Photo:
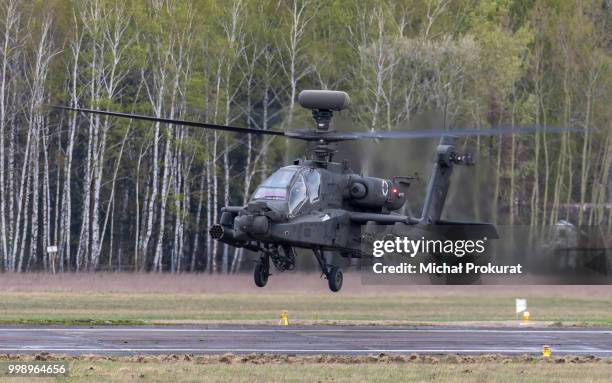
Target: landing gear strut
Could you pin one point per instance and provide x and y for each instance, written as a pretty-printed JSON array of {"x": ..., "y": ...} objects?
[{"x": 332, "y": 273}]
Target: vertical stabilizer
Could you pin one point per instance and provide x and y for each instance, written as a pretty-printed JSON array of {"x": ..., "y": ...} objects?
[{"x": 437, "y": 189}]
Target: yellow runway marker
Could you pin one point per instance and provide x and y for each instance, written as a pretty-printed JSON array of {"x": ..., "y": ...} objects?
[
  {"x": 525, "y": 317},
  {"x": 284, "y": 318}
]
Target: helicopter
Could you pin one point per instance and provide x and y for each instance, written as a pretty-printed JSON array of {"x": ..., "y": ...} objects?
[{"x": 321, "y": 205}]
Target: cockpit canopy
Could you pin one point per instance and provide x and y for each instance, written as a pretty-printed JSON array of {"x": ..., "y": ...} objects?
[{"x": 298, "y": 185}]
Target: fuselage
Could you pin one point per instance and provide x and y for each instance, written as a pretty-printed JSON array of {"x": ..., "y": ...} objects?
[{"x": 310, "y": 204}]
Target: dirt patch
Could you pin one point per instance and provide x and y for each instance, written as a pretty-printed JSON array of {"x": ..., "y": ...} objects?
[
  {"x": 243, "y": 283},
  {"x": 313, "y": 359},
  {"x": 496, "y": 324}
]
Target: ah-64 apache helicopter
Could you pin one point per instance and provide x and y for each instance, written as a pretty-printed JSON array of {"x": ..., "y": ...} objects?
[{"x": 321, "y": 205}]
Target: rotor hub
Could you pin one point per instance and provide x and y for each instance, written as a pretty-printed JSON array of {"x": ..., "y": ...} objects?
[{"x": 322, "y": 119}]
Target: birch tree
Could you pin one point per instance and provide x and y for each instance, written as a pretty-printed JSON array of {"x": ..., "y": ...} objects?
[
  {"x": 38, "y": 70},
  {"x": 9, "y": 40},
  {"x": 293, "y": 61}
]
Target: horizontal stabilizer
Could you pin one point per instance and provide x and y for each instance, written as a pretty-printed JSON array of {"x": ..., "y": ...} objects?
[{"x": 457, "y": 230}]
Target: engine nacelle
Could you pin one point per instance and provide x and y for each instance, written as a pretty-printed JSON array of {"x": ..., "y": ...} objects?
[{"x": 375, "y": 193}]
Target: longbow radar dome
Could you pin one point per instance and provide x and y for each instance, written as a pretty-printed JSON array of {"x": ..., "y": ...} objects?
[{"x": 324, "y": 99}]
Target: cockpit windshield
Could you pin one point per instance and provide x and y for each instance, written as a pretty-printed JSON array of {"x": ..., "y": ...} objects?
[
  {"x": 298, "y": 185},
  {"x": 275, "y": 187}
]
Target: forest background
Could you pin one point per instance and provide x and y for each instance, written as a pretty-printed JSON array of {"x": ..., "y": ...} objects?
[{"x": 122, "y": 195}]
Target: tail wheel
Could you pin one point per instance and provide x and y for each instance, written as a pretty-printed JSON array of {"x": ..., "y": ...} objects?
[
  {"x": 335, "y": 278},
  {"x": 261, "y": 273}
]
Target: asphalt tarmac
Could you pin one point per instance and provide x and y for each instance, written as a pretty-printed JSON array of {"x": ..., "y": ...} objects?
[{"x": 346, "y": 340}]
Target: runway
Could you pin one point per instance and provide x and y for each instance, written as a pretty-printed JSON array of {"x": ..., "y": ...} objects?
[{"x": 347, "y": 340}]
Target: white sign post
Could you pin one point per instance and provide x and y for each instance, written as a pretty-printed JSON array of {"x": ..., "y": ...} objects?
[{"x": 521, "y": 305}]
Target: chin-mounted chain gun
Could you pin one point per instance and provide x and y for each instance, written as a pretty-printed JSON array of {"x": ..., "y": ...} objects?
[{"x": 447, "y": 157}]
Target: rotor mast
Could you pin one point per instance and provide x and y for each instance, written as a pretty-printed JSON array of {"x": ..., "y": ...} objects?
[{"x": 323, "y": 150}]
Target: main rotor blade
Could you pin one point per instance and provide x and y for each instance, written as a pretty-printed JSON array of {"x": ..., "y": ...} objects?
[
  {"x": 412, "y": 134},
  {"x": 224, "y": 128},
  {"x": 335, "y": 136}
]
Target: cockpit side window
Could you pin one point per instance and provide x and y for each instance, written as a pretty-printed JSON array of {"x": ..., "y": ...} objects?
[
  {"x": 313, "y": 184},
  {"x": 297, "y": 195}
]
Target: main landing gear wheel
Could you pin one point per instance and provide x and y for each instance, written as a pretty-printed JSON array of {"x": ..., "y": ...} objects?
[
  {"x": 262, "y": 272},
  {"x": 335, "y": 278},
  {"x": 331, "y": 272}
]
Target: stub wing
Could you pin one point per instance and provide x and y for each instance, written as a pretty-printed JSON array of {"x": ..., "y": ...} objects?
[
  {"x": 381, "y": 219},
  {"x": 449, "y": 229}
]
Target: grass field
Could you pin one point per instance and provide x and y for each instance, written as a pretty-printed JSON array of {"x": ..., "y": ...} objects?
[
  {"x": 163, "y": 298},
  {"x": 152, "y": 298},
  {"x": 252, "y": 368}
]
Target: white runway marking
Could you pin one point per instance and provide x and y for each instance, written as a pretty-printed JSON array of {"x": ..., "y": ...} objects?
[
  {"x": 301, "y": 351},
  {"x": 297, "y": 330}
]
